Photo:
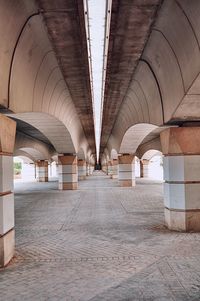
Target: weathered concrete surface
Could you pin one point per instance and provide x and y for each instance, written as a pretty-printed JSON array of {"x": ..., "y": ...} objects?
[
  {"x": 44, "y": 76},
  {"x": 164, "y": 86},
  {"x": 65, "y": 21},
  {"x": 101, "y": 242},
  {"x": 7, "y": 140},
  {"x": 130, "y": 27}
]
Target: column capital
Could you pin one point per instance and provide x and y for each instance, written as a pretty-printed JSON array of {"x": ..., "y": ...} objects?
[
  {"x": 180, "y": 141},
  {"x": 67, "y": 159},
  {"x": 115, "y": 161},
  {"x": 7, "y": 134},
  {"x": 81, "y": 162},
  {"x": 42, "y": 163},
  {"x": 126, "y": 159},
  {"x": 145, "y": 161}
]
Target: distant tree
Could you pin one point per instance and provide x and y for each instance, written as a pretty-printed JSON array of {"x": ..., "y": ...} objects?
[{"x": 17, "y": 168}]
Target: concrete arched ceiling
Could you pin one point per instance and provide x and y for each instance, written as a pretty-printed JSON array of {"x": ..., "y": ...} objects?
[
  {"x": 161, "y": 84},
  {"x": 33, "y": 153},
  {"x": 25, "y": 156},
  {"x": 131, "y": 23},
  {"x": 43, "y": 78},
  {"x": 151, "y": 153},
  {"x": 35, "y": 148},
  {"x": 50, "y": 127},
  {"x": 134, "y": 136}
]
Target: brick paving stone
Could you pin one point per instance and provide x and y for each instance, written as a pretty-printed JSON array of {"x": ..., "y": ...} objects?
[{"x": 101, "y": 242}]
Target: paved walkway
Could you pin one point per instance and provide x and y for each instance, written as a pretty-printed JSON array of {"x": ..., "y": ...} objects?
[{"x": 98, "y": 243}]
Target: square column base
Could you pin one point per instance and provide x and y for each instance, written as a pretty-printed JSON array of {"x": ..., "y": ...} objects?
[
  {"x": 7, "y": 248},
  {"x": 114, "y": 177},
  {"x": 127, "y": 183},
  {"x": 68, "y": 186},
  {"x": 45, "y": 179},
  {"x": 185, "y": 221}
]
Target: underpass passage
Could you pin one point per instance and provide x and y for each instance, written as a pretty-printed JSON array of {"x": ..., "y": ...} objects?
[{"x": 100, "y": 242}]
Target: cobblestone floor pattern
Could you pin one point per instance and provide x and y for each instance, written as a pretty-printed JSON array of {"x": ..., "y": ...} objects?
[{"x": 101, "y": 242}]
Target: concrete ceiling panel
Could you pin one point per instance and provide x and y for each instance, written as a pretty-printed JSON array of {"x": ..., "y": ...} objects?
[
  {"x": 191, "y": 9},
  {"x": 179, "y": 34},
  {"x": 149, "y": 86},
  {"x": 135, "y": 105},
  {"x": 189, "y": 109},
  {"x": 13, "y": 15},
  {"x": 164, "y": 65}
]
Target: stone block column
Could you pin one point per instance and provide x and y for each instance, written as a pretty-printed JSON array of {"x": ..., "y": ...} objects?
[
  {"x": 115, "y": 169},
  {"x": 107, "y": 167},
  {"x": 126, "y": 170},
  {"x": 81, "y": 169},
  {"x": 110, "y": 171},
  {"x": 181, "y": 149},
  {"x": 87, "y": 169},
  {"x": 7, "y": 233},
  {"x": 104, "y": 168},
  {"x": 42, "y": 171},
  {"x": 144, "y": 168},
  {"x": 91, "y": 169},
  {"x": 67, "y": 172}
]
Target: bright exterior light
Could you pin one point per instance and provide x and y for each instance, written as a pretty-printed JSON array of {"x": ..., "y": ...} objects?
[{"x": 96, "y": 14}]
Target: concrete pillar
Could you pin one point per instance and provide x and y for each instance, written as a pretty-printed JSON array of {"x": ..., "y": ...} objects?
[
  {"x": 42, "y": 171},
  {"x": 57, "y": 170},
  {"x": 105, "y": 168},
  {"x": 87, "y": 169},
  {"x": 126, "y": 170},
  {"x": 110, "y": 168},
  {"x": 115, "y": 169},
  {"x": 144, "y": 168},
  {"x": 7, "y": 234},
  {"x": 81, "y": 169},
  {"x": 68, "y": 172},
  {"x": 181, "y": 149},
  {"x": 91, "y": 169}
]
